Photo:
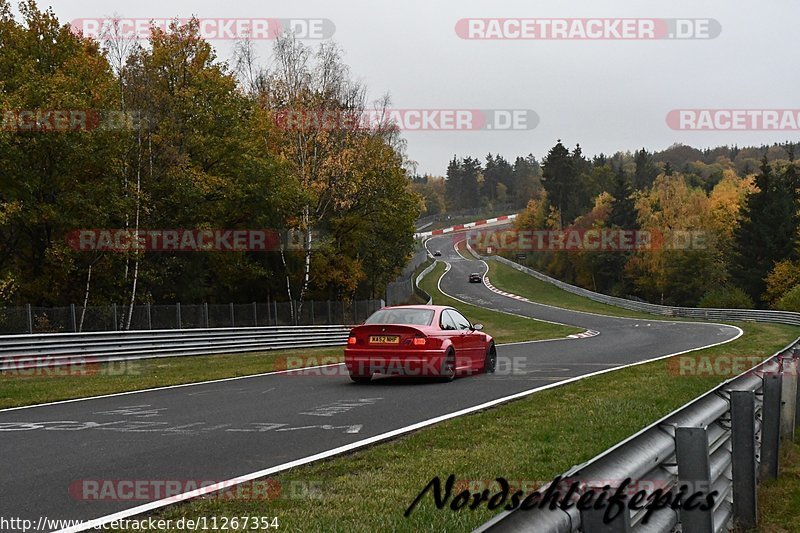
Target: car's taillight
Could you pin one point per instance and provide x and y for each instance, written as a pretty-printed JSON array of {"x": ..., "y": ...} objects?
[
  {"x": 351, "y": 340},
  {"x": 419, "y": 341}
]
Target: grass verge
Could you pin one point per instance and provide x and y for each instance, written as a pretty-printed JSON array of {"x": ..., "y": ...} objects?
[
  {"x": 525, "y": 441},
  {"x": 28, "y": 387},
  {"x": 779, "y": 499},
  {"x": 511, "y": 280},
  {"x": 502, "y": 326}
]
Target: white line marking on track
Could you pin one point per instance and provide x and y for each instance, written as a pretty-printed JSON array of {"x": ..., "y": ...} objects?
[
  {"x": 165, "y": 387},
  {"x": 91, "y": 524}
]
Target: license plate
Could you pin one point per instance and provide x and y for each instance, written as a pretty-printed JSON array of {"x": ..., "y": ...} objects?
[{"x": 384, "y": 339}]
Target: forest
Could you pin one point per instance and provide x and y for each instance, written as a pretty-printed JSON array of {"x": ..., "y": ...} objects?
[
  {"x": 743, "y": 201},
  {"x": 116, "y": 135},
  {"x": 162, "y": 135}
]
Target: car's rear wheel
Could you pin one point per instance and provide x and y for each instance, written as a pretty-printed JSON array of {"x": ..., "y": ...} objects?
[
  {"x": 449, "y": 366},
  {"x": 490, "y": 364},
  {"x": 360, "y": 378}
]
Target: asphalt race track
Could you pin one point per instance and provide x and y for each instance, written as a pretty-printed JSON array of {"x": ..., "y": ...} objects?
[{"x": 221, "y": 430}]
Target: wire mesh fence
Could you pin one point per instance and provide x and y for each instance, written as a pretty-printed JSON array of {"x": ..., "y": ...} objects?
[
  {"x": 113, "y": 317},
  {"x": 402, "y": 289}
]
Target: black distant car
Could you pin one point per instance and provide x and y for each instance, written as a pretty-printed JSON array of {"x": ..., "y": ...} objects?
[
  {"x": 475, "y": 278},
  {"x": 437, "y": 253}
]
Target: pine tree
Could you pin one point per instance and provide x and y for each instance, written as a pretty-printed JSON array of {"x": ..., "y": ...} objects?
[
  {"x": 623, "y": 209},
  {"x": 646, "y": 171},
  {"x": 767, "y": 230},
  {"x": 559, "y": 180},
  {"x": 453, "y": 184}
]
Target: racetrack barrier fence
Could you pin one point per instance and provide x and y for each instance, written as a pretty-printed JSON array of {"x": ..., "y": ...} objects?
[
  {"x": 71, "y": 318},
  {"x": 755, "y": 315},
  {"x": 724, "y": 442},
  {"x": 727, "y": 440},
  {"x": 402, "y": 290}
]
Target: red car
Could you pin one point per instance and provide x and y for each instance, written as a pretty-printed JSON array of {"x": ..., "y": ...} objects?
[{"x": 418, "y": 340}]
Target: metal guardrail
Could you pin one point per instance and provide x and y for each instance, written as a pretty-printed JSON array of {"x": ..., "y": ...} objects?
[
  {"x": 401, "y": 290},
  {"x": 756, "y": 315},
  {"x": 424, "y": 295},
  {"x": 53, "y": 349},
  {"x": 725, "y": 441}
]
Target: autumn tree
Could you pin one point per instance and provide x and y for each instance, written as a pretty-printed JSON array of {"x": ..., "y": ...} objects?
[
  {"x": 767, "y": 229},
  {"x": 54, "y": 179}
]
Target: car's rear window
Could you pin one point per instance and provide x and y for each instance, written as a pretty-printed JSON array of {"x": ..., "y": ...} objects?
[{"x": 413, "y": 317}]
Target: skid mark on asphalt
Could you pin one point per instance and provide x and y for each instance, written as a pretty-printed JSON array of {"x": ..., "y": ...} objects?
[
  {"x": 136, "y": 411},
  {"x": 163, "y": 428},
  {"x": 340, "y": 406},
  {"x": 218, "y": 391},
  {"x": 347, "y": 429}
]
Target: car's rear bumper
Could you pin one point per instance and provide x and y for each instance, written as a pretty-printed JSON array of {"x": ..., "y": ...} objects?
[{"x": 362, "y": 362}]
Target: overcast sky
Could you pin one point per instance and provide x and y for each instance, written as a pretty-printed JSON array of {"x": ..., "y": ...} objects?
[{"x": 606, "y": 95}]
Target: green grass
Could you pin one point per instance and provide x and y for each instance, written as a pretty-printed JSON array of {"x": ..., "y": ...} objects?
[
  {"x": 502, "y": 326},
  {"x": 508, "y": 279},
  {"x": 22, "y": 388},
  {"x": 528, "y": 440},
  {"x": 779, "y": 499}
]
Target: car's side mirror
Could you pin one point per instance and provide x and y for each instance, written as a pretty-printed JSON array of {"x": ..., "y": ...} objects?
[{"x": 477, "y": 327}]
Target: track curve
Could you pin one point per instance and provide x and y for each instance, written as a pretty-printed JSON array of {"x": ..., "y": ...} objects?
[
  {"x": 258, "y": 425},
  {"x": 621, "y": 340}
]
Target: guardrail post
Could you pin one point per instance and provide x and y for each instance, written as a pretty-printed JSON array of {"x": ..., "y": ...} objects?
[
  {"x": 743, "y": 443},
  {"x": 114, "y": 314},
  {"x": 255, "y": 315},
  {"x": 74, "y": 320},
  {"x": 694, "y": 470},
  {"x": 30, "y": 317},
  {"x": 149, "y": 317},
  {"x": 205, "y": 314},
  {"x": 796, "y": 355},
  {"x": 312, "y": 313},
  {"x": 233, "y": 321},
  {"x": 770, "y": 425},
  {"x": 178, "y": 313},
  {"x": 330, "y": 321},
  {"x": 275, "y": 303},
  {"x": 788, "y": 397}
]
